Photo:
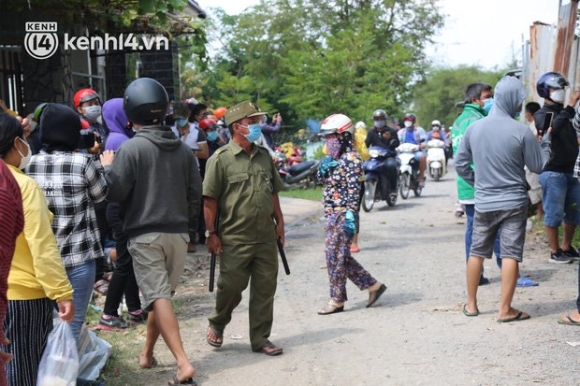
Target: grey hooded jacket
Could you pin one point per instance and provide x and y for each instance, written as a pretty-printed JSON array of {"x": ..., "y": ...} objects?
[
  {"x": 155, "y": 179},
  {"x": 500, "y": 147}
]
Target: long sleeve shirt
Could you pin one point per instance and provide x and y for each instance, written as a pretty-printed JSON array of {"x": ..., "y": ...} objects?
[
  {"x": 36, "y": 271},
  {"x": 72, "y": 184}
]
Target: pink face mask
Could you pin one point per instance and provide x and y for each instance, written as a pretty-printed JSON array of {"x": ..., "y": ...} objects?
[{"x": 333, "y": 146}]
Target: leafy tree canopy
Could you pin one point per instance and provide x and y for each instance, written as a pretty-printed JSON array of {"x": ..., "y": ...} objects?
[{"x": 309, "y": 59}]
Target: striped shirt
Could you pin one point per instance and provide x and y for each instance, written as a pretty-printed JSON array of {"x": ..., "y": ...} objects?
[
  {"x": 11, "y": 224},
  {"x": 72, "y": 183}
]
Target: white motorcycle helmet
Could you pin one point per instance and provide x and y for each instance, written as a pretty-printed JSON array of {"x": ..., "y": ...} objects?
[
  {"x": 436, "y": 123},
  {"x": 360, "y": 125},
  {"x": 336, "y": 123}
]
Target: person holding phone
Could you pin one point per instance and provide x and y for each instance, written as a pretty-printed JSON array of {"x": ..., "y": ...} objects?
[{"x": 560, "y": 189}]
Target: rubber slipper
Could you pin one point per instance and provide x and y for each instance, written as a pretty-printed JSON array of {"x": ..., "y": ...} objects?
[
  {"x": 568, "y": 321},
  {"x": 218, "y": 334},
  {"x": 467, "y": 313},
  {"x": 274, "y": 350},
  {"x": 375, "y": 295},
  {"x": 525, "y": 281},
  {"x": 519, "y": 317},
  {"x": 151, "y": 365},
  {"x": 176, "y": 381}
]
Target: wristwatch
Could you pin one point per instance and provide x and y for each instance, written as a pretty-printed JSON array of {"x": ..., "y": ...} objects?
[{"x": 209, "y": 233}]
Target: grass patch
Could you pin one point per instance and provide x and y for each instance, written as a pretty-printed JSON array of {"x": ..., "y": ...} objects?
[{"x": 305, "y": 194}]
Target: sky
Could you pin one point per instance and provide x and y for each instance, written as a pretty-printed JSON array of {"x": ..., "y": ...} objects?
[{"x": 484, "y": 33}]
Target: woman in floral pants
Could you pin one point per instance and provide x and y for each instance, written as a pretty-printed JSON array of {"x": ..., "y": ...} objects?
[{"x": 340, "y": 173}]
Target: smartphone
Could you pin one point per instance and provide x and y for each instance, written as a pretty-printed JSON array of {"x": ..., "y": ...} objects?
[
  {"x": 546, "y": 124},
  {"x": 87, "y": 141}
]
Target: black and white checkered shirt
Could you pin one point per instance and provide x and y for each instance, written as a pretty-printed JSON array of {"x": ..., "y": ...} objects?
[
  {"x": 576, "y": 124},
  {"x": 72, "y": 183}
]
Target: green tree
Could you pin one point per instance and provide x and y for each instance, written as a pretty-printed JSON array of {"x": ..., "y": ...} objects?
[
  {"x": 437, "y": 97},
  {"x": 307, "y": 58}
]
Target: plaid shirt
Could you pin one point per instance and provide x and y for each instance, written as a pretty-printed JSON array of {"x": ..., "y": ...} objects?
[
  {"x": 72, "y": 183},
  {"x": 576, "y": 124}
]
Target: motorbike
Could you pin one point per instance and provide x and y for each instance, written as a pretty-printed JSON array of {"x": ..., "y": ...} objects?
[
  {"x": 436, "y": 165},
  {"x": 374, "y": 177},
  {"x": 302, "y": 174},
  {"x": 409, "y": 170}
]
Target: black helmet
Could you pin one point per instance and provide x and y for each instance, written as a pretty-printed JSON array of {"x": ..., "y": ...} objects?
[
  {"x": 379, "y": 114},
  {"x": 550, "y": 80},
  {"x": 146, "y": 101}
]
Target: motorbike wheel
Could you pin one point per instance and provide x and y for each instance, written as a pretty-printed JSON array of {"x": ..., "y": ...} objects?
[
  {"x": 392, "y": 199},
  {"x": 437, "y": 174},
  {"x": 417, "y": 189},
  {"x": 369, "y": 195},
  {"x": 405, "y": 185}
]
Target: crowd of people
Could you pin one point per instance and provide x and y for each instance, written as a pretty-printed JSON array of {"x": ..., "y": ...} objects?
[{"x": 121, "y": 182}]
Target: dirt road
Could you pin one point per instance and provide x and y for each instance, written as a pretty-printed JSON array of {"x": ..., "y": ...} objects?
[{"x": 415, "y": 334}]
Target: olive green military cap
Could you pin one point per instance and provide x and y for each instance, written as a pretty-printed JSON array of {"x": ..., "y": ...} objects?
[{"x": 245, "y": 109}]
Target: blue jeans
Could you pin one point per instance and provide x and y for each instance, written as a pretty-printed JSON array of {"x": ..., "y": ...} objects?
[
  {"x": 560, "y": 198},
  {"x": 82, "y": 278},
  {"x": 470, "y": 213}
]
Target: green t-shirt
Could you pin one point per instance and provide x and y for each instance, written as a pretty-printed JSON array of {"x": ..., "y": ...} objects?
[{"x": 243, "y": 186}]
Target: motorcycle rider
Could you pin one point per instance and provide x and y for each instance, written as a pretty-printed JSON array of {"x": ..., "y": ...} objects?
[
  {"x": 415, "y": 135},
  {"x": 386, "y": 137},
  {"x": 437, "y": 133}
]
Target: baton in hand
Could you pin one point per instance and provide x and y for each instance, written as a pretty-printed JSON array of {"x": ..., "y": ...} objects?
[
  {"x": 283, "y": 257},
  {"x": 212, "y": 263}
]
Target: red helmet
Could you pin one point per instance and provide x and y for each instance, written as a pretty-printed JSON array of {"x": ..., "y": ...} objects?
[
  {"x": 410, "y": 117},
  {"x": 207, "y": 124},
  {"x": 85, "y": 95},
  {"x": 220, "y": 112}
]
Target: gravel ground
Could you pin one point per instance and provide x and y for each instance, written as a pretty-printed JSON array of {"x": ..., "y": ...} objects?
[{"x": 414, "y": 335}]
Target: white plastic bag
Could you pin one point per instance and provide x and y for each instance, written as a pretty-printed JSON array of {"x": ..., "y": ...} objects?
[
  {"x": 59, "y": 365},
  {"x": 93, "y": 352}
]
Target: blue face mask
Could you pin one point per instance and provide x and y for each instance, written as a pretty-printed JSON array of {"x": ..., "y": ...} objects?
[
  {"x": 212, "y": 136},
  {"x": 255, "y": 132},
  {"x": 181, "y": 122},
  {"x": 488, "y": 104}
]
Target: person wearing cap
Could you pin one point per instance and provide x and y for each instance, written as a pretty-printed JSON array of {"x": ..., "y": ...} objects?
[
  {"x": 155, "y": 179},
  {"x": 340, "y": 173},
  {"x": 244, "y": 220}
]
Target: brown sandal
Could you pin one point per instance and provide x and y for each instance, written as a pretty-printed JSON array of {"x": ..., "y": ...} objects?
[{"x": 270, "y": 349}]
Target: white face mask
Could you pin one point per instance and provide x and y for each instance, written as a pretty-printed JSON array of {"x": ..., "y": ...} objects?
[
  {"x": 408, "y": 124},
  {"x": 25, "y": 160},
  {"x": 93, "y": 112},
  {"x": 558, "y": 95}
]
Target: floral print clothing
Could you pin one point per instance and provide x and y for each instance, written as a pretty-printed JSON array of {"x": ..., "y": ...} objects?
[
  {"x": 339, "y": 262},
  {"x": 342, "y": 184}
]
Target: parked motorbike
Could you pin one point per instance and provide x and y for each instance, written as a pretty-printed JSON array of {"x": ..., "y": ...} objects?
[
  {"x": 301, "y": 175},
  {"x": 375, "y": 177},
  {"x": 436, "y": 164},
  {"x": 409, "y": 170}
]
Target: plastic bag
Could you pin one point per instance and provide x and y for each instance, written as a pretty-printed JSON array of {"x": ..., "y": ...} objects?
[
  {"x": 94, "y": 353},
  {"x": 59, "y": 365}
]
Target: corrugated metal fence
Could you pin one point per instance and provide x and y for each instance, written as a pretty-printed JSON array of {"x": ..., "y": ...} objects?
[{"x": 553, "y": 48}]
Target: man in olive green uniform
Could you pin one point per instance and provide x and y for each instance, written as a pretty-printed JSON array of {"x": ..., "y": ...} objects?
[{"x": 241, "y": 186}]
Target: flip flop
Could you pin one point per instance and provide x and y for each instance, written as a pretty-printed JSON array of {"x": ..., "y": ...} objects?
[
  {"x": 275, "y": 350},
  {"x": 176, "y": 381},
  {"x": 467, "y": 313},
  {"x": 218, "y": 334},
  {"x": 525, "y": 281},
  {"x": 153, "y": 364},
  {"x": 568, "y": 321},
  {"x": 375, "y": 295},
  {"x": 519, "y": 317}
]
